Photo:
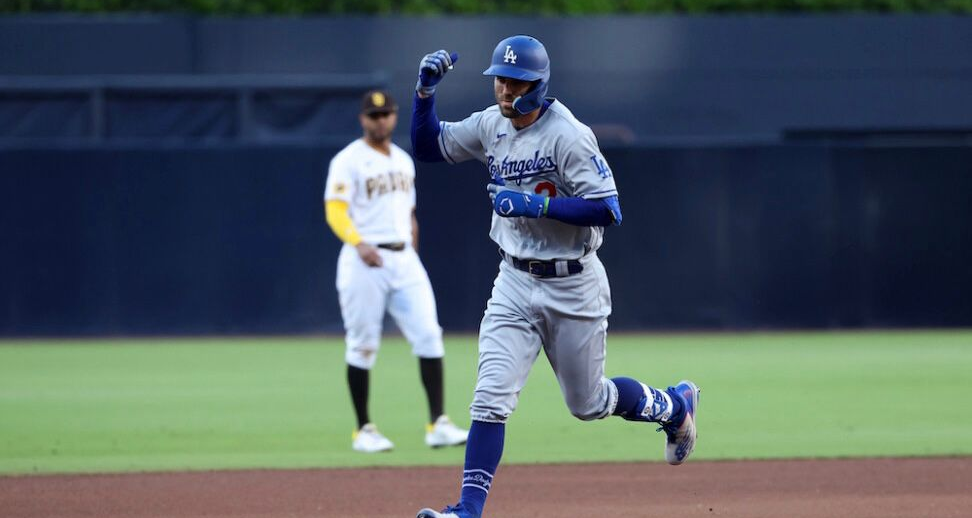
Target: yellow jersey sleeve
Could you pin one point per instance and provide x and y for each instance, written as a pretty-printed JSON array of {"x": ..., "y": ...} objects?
[{"x": 336, "y": 212}]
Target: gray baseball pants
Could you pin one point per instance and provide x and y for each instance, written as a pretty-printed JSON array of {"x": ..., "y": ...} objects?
[{"x": 566, "y": 317}]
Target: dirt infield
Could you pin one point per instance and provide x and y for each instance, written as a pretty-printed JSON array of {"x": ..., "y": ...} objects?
[{"x": 879, "y": 488}]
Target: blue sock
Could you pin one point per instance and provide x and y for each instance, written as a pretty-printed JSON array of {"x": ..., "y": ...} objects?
[
  {"x": 630, "y": 396},
  {"x": 484, "y": 448},
  {"x": 632, "y": 401}
]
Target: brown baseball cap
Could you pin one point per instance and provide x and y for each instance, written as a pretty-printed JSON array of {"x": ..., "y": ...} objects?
[{"x": 377, "y": 101}]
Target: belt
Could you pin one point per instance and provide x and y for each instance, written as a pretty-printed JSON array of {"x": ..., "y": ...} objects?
[
  {"x": 394, "y": 247},
  {"x": 544, "y": 269}
]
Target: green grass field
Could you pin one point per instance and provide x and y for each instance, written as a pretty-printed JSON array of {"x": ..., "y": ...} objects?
[{"x": 125, "y": 405}]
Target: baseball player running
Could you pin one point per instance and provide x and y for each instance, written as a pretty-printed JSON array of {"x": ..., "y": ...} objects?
[
  {"x": 552, "y": 194},
  {"x": 369, "y": 200}
]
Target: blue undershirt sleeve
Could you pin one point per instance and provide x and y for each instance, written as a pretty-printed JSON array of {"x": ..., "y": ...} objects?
[
  {"x": 585, "y": 213},
  {"x": 425, "y": 130}
]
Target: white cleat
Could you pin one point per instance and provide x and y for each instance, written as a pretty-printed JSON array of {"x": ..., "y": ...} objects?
[
  {"x": 369, "y": 440},
  {"x": 681, "y": 436},
  {"x": 444, "y": 433}
]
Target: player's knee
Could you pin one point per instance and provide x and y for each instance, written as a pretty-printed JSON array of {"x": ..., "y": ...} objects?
[
  {"x": 428, "y": 344},
  {"x": 362, "y": 333},
  {"x": 586, "y": 414},
  {"x": 362, "y": 341},
  {"x": 587, "y": 407},
  {"x": 362, "y": 356}
]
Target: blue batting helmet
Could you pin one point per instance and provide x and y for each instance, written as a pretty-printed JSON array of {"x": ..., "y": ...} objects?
[{"x": 524, "y": 58}]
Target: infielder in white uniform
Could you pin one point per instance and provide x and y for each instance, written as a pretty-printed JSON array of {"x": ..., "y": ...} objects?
[
  {"x": 369, "y": 200},
  {"x": 552, "y": 194}
]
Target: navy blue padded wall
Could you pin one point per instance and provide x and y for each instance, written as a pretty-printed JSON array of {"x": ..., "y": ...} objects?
[{"x": 231, "y": 239}]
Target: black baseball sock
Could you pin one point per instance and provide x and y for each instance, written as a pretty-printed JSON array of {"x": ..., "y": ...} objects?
[
  {"x": 358, "y": 383},
  {"x": 432, "y": 379}
]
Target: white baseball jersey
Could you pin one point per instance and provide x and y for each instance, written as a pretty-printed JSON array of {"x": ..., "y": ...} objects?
[
  {"x": 555, "y": 156},
  {"x": 380, "y": 193},
  {"x": 379, "y": 190}
]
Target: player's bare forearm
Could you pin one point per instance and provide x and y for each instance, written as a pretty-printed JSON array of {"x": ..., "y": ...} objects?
[{"x": 415, "y": 231}]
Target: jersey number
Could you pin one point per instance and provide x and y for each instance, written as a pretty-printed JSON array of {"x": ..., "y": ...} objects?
[{"x": 546, "y": 189}]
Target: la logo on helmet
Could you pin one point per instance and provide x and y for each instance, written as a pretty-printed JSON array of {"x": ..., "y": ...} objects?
[{"x": 509, "y": 56}]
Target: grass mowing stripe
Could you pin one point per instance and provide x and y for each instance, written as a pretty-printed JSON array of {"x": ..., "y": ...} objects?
[{"x": 121, "y": 405}]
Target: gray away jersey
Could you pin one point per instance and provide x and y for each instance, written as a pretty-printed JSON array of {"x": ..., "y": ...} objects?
[{"x": 555, "y": 156}]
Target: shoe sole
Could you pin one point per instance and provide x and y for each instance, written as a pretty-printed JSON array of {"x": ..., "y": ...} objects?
[{"x": 361, "y": 450}]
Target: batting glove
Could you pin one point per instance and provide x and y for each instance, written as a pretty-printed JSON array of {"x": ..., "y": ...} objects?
[
  {"x": 432, "y": 69},
  {"x": 513, "y": 204}
]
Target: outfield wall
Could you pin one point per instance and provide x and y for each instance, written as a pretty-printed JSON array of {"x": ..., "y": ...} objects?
[
  {"x": 645, "y": 77},
  {"x": 231, "y": 239},
  {"x": 163, "y": 174}
]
